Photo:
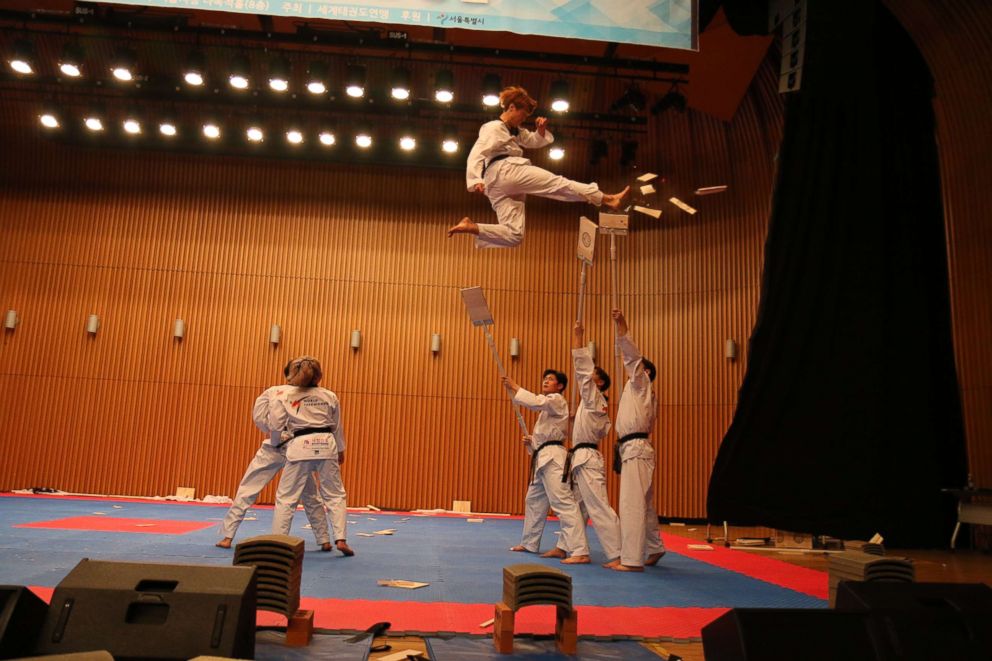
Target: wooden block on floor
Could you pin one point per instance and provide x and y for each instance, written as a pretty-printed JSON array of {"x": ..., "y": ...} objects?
[
  {"x": 299, "y": 628},
  {"x": 566, "y": 629},
  {"x": 503, "y": 628}
]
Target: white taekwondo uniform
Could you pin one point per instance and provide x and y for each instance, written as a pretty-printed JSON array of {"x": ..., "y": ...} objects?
[
  {"x": 588, "y": 475},
  {"x": 636, "y": 414},
  {"x": 497, "y": 161},
  {"x": 263, "y": 467},
  {"x": 299, "y": 409},
  {"x": 546, "y": 486}
]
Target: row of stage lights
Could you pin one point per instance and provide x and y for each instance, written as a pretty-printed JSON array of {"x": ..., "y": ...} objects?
[
  {"x": 254, "y": 132},
  {"x": 123, "y": 67}
]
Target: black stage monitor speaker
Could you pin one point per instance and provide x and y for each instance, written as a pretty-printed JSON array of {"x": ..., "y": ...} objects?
[
  {"x": 21, "y": 616},
  {"x": 152, "y": 611}
]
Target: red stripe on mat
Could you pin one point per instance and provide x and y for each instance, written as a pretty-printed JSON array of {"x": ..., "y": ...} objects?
[
  {"x": 786, "y": 575},
  {"x": 114, "y": 524}
]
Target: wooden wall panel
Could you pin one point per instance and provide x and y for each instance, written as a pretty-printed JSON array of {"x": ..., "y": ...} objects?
[
  {"x": 955, "y": 37},
  {"x": 234, "y": 245}
]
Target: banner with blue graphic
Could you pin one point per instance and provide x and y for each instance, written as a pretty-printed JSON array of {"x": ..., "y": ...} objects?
[{"x": 668, "y": 23}]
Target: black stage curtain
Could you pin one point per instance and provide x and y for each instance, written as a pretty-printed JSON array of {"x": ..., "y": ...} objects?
[{"x": 848, "y": 420}]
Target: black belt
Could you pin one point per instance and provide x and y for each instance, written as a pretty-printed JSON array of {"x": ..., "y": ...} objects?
[
  {"x": 492, "y": 160},
  {"x": 306, "y": 431},
  {"x": 568, "y": 459},
  {"x": 533, "y": 457},
  {"x": 617, "y": 461}
]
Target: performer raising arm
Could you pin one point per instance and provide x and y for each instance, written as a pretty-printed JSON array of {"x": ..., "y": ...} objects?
[{"x": 496, "y": 168}]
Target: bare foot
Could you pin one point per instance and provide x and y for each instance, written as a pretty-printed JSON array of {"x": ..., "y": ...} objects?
[
  {"x": 554, "y": 553},
  {"x": 627, "y": 568},
  {"x": 612, "y": 564},
  {"x": 520, "y": 549},
  {"x": 654, "y": 558},
  {"x": 576, "y": 560},
  {"x": 224, "y": 543},
  {"x": 344, "y": 548},
  {"x": 465, "y": 226},
  {"x": 325, "y": 547},
  {"x": 613, "y": 201}
]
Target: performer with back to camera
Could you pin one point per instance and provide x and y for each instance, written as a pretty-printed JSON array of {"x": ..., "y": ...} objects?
[
  {"x": 270, "y": 457},
  {"x": 584, "y": 467},
  {"x": 547, "y": 463},
  {"x": 309, "y": 419},
  {"x": 634, "y": 458},
  {"x": 496, "y": 168}
]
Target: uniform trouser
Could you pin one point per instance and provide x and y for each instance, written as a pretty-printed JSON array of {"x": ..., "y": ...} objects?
[
  {"x": 508, "y": 188},
  {"x": 548, "y": 489},
  {"x": 291, "y": 487},
  {"x": 589, "y": 489},
  {"x": 260, "y": 471},
  {"x": 638, "y": 519}
]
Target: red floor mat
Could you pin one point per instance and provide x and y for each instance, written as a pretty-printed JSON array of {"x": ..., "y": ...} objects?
[{"x": 115, "y": 524}]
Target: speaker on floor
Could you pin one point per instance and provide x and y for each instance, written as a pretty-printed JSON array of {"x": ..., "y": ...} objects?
[
  {"x": 21, "y": 616},
  {"x": 152, "y": 611}
]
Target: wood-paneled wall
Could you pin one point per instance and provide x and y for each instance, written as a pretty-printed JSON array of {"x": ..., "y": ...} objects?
[
  {"x": 235, "y": 245},
  {"x": 955, "y": 37}
]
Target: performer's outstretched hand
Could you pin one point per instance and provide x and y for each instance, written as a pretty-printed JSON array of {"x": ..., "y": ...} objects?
[
  {"x": 578, "y": 333},
  {"x": 479, "y": 188},
  {"x": 542, "y": 125},
  {"x": 510, "y": 385},
  {"x": 621, "y": 321}
]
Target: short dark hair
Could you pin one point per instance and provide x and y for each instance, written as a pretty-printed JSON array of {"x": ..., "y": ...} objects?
[
  {"x": 649, "y": 366},
  {"x": 285, "y": 370},
  {"x": 559, "y": 376},
  {"x": 601, "y": 373}
]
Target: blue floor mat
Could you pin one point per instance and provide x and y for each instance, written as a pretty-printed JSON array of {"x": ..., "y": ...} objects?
[{"x": 464, "y": 648}]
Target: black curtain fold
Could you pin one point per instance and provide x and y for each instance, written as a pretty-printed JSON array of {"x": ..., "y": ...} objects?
[{"x": 848, "y": 420}]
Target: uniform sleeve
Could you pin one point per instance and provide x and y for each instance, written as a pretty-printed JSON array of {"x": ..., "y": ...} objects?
[
  {"x": 534, "y": 140},
  {"x": 278, "y": 416},
  {"x": 481, "y": 150},
  {"x": 339, "y": 427},
  {"x": 534, "y": 402},
  {"x": 582, "y": 361},
  {"x": 632, "y": 363}
]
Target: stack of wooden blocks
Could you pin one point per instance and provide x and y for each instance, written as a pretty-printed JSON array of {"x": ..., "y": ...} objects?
[
  {"x": 528, "y": 585},
  {"x": 278, "y": 560},
  {"x": 859, "y": 566}
]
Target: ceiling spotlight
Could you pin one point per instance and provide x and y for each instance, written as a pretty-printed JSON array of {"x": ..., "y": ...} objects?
[
  {"x": 211, "y": 130},
  {"x": 196, "y": 68},
  {"x": 22, "y": 59},
  {"x": 363, "y": 139},
  {"x": 71, "y": 63},
  {"x": 355, "y": 82},
  {"x": 327, "y": 138},
  {"x": 123, "y": 65},
  {"x": 672, "y": 99},
  {"x": 317, "y": 78},
  {"x": 444, "y": 86},
  {"x": 559, "y": 96},
  {"x": 556, "y": 153},
  {"x": 449, "y": 140},
  {"x": 131, "y": 124},
  {"x": 401, "y": 84},
  {"x": 240, "y": 76},
  {"x": 279, "y": 70},
  {"x": 632, "y": 100},
  {"x": 93, "y": 121},
  {"x": 254, "y": 132},
  {"x": 294, "y": 136},
  {"x": 49, "y": 119},
  {"x": 408, "y": 142},
  {"x": 491, "y": 87},
  {"x": 167, "y": 127}
]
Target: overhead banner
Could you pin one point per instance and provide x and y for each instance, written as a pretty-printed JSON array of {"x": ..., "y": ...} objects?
[{"x": 668, "y": 23}]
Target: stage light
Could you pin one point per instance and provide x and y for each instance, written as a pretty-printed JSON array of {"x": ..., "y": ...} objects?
[
  {"x": 355, "y": 82},
  {"x": 491, "y": 87},
  {"x": 167, "y": 127},
  {"x": 407, "y": 141},
  {"x": 211, "y": 130},
  {"x": 317, "y": 78},
  {"x": 93, "y": 119},
  {"x": 254, "y": 132},
  {"x": 22, "y": 59},
  {"x": 240, "y": 76},
  {"x": 294, "y": 136},
  {"x": 672, "y": 99},
  {"x": 71, "y": 62},
  {"x": 632, "y": 100},
  {"x": 598, "y": 150},
  {"x": 449, "y": 140},
  {"x": 279, "y": 70},
  {"x": 628, "y": 152},
  {"x": 363, "y": 138},
  {"x": 196, "y": 68},
  {"x": 49, "y": 119},
  {"x": 557, "y": 152},
  {"x": 327, "y": 138},
  {"x": 444, "y": 86},
  {"x": 123, "y": 65},
  {"x": 559, "y": 96},
  {"x": 401, "y": 84},
  {"x": 131, "y": 123}
]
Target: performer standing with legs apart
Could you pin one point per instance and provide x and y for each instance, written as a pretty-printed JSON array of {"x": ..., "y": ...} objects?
[
  {"x": 633, "y": 458},
  {"x": 547, "y": 463},
  {"x": 496, "y": 167},
  {"x": 309, "y": 418},
  {"x": 584, "y": 466},
  {"x": 271, "y": 456}
]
